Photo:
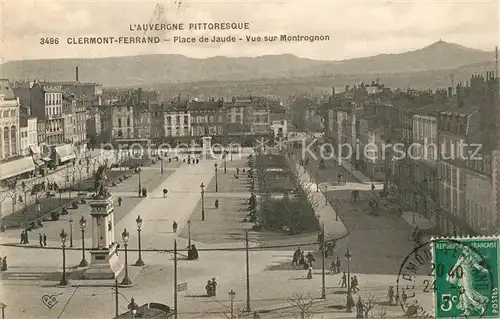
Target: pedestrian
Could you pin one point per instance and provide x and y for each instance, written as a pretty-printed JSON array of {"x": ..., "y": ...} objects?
[
  {"x": 22, "y": 238},
  {"x": 310, "y": 259},
  {"x": 194, "y": 252},
  {"x": 44, "y": 240},
  {"x": 343, "y": 280},
  {"x": 26, "y": 239},
  {"x": 40, "y": 239},
  {"x": 373, "y": 187},
  {"x": 174, "y": 227},
  {"x": 404, "y": 297},
  {"x": 4, "y": 263},
  {"x": 337, "y": 264},
  {"x": 120, "y": 201},
  {"x": 309, "y": 272},
  {"x": 214, "y": 286},
  {"x": 390, "y": 295},
  {"x": 354, "y": 284},
  {"x": 237, "y": 171},
  {"x": 208, "y": 288},
  {"x": 296, "y": 257}
]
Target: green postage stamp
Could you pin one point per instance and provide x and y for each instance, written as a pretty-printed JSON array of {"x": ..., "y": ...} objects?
[{"x": 466, "y": 277}]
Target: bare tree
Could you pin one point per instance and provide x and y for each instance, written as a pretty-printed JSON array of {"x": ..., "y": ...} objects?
[
  {"x": 369, "y": 303},
  {"x": 237, "y": 313},
  {"x": 303, "y": 303}
]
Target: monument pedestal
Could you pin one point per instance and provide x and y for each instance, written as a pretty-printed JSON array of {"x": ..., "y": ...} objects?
[
  {"x": 206, "y": 151},
  {"x": 104, "y": 262}
]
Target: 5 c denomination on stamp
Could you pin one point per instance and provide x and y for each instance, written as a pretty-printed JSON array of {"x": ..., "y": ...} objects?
[{"x": 466, "y": 277}]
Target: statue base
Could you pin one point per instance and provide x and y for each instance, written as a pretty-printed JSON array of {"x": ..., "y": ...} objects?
[
  {"x": 206, "y": 151},
  {"x": 104, "y": 264}
]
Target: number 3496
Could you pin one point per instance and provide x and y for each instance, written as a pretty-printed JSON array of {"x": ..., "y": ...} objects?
[{"x": 49, "y": 41}]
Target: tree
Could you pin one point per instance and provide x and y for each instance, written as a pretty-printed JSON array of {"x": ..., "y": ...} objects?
[
  {"x": 303, "y": 303},
  {"x": 369, "y": 303}
]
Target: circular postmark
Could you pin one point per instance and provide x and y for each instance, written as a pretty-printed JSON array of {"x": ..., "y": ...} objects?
[{"x": 450, "y": 278}]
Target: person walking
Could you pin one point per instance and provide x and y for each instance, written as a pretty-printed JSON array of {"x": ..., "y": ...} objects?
[
  {"x": 120, "y": 201},
  {"x": 174, "y": 227},
  {"x": 40, "y": 239},
  {"x": 309, "y": 272},
  {"x": 390, "y": 295},
  {"x": 337, "y": 264},
  {"x": 22, "y": 238},
  {"x": 343, "y": 280},
  {"x": 44, "y": 240},
  {"x": 214, "y": 286},
  {"x": 354, "y": 284}
]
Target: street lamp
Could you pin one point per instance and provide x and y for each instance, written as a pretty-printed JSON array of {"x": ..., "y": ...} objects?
[
  {"x": 202, "y": 186},
  {"x": 139, "y": 261},
  {"x": 225, "y": 156},
  {"x": 216, "y": 182},
  {"x": 132, "y": 306},
  {"x": 189, "y": 232},
  {"x": 232, "y": 294},
  {"x": 70, "y": 232},
  {"x": 126, "y": 280},
  {"x": 83, "y": 223},
  {"x": 139, "y": 171},
  {"x": 161, "y": 161},
  {"x": 64, "y": 281},
  {"x": 350, "y": 301}
]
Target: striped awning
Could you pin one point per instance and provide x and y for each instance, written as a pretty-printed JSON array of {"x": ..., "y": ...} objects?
[
  {"x": 16, "y": 167},
  {"x": 65, "y": 152},
  {"x": 35, "y": 149}
]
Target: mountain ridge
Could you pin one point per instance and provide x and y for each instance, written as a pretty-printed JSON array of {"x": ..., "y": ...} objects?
[{"x": 174, "y": 68}]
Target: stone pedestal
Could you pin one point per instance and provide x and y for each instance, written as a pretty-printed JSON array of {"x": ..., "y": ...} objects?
[
  {"x": 104, "y": 261},
  {"x": 206, "y": 151}
]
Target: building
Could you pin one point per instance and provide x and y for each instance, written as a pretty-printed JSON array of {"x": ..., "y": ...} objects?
[
  {"x": 176, "y": 121},
  {"x": 93, "y": 125},
  {"x": 207, "y": 118},
  {"x": 12, "y": 161},
  {"x": 68, "y": 105},
  {"x": 9, "y": 121},
  {"x": 28, "y": 134},
  {"x": 46, "y": 102}
]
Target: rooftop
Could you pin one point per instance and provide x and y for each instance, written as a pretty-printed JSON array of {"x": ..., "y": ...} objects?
[{"x": 6, "y": 90}]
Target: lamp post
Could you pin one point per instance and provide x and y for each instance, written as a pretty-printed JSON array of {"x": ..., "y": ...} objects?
[
  {"x": 140, "y": 186},
  {"x": 132, "y": 306},
  {"x": 139, "y": 261},
  {"x": 126, "y": 280},
  {"x": 216, "y": 181},
  {"x": 161, "y": 162},
  {"x": 202, "y": 186},
  {"x": 225, "y": 156},
  {"x": 349, "y": 296},
  {"x": 232, "y": 294},
  {"x": 83, "y": 223},
  {"x": 64, "y": 281},
  {"x": 323, "y": 279},
  {"x": 189, "y": 232},
  {"x": 317, "y": 179},
  {"x": 70, "y": 232}
]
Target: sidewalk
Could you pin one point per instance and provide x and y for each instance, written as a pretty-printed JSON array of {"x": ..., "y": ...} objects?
[{"x": 327, "y": 215}]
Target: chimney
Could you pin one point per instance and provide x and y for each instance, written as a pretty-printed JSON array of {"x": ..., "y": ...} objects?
[
  {"x": 76, "y": 74},
  {"x": 333, "y": 90}
]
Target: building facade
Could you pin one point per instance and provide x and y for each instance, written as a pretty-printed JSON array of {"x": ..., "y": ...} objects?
[{"x": 9, "y": 121}]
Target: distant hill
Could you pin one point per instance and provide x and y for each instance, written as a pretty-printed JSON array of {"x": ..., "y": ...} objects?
[{"x": 169, "y": 68}]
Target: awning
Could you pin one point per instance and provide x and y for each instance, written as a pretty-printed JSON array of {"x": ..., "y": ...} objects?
[
  {"x": 46, "y": 159},
  {"x": 38, "y": 162},
  {"x": 16, "y": 167},
  {"x": 35, "y": 149},
  {"x": 65, "y": 152}
]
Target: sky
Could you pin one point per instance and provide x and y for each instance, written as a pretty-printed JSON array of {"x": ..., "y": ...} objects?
[{"x": 355, "y": 28}]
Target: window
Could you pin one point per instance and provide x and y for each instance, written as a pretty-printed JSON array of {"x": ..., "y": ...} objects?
[
  {"x": 177, "y": 120},
  {"x": 119, "y": 122},
  {"x": 120, "y": 133},
  {"x": 238, "y": 119},
  {"x": 169, "y": 120},
  {"x": 128, "y": 121},
  {"x": 186, "y": 120}
]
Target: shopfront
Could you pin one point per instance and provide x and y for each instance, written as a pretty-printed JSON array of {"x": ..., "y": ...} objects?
[
  {"x": 19, "y": 167},
  {"x": 63, "y": 154}
]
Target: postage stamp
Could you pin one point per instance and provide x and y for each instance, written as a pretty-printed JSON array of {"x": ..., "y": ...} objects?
[{"x": 466, "y": 277}]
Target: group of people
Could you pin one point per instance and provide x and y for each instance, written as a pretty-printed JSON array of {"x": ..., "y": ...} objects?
[
  {"x": 192, "y": 252},
  {"x": 24, "y": 237},
  {"x": 211, "y": 287},
  {"x": 301, "y": 259},
  {"x": 42, "y": 239},
  {"x": 191, "y": 160},
  {"x": 354, "y": 282},
  {"x": 143, "y": 192}
]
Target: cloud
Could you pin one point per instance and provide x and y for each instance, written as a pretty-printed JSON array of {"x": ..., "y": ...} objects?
[{"x": 356, "y": 28}]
